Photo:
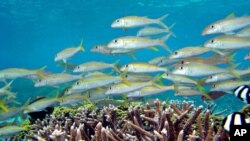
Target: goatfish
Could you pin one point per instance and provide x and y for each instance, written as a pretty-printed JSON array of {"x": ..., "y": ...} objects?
[
  {"x": 9, "y": 131},
  {"x": 188, "y": 92},
  {"x": 4, "y": 90},
  {"x": 95, "y": 82},
  {"x": 243, "y": 93},
  {"x": 227, "y": 25},
  {"x": 12, "y": 112},
  {"x": 243, "y": 33},
  {"x": 68, "y": 53},
  {"x": 106, "y": 102},
  {"x": 101, "y": 49},
  {"x": 156, "y": 61},
  {"x": 135, "y": 77},
  {"x": 213, "y": 60},
  {"x": 226, "y": 42},
  {"x": 247, "y": 57},
  {"x": 228, "y": 86},
  {"x": 137, "y": 21},
  {"x": 123, "y": 88},
  {"x": 95, "y": 66},
  {"x": 72, "y": 100},
  {"x": 142, "y": 68},
  {"x": 226, "y": 76},
  {"x": 180, "y": 79},
  {"x": 56, "y": 79},
  {"x": 41, "y": 104},
  {"x": 150, "y": 90},
  {"x": 199, "y": 69},
  {"x": 149, "y": 31},
  {"x": 13, "y": 73},
  {"x": 97, "y": 94},
  {"x": 191, "y": 51},
  {"x": 135, "y": 43}
]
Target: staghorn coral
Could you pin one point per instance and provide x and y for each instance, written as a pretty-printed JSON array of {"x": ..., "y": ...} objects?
[{"x": 173, "y": 122}]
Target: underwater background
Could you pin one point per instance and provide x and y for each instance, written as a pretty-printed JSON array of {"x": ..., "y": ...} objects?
[{"x": 32, "y": 32}]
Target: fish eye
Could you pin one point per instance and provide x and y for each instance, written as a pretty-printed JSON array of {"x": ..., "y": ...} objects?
[
  {"x": 126, "y": 76},
  {"x": 166, "y": 74},
  {"x": 96, "y": 46},
  {"x": 77, "y": 83},
  {"x": 212, "y": 41},
  {"x": 210, "y": 76},
  {"x": 212, "y": 26},
  {"x": 126, "y": 66},
  {"x": 78, "y": 67},
  {"x": 115, "y": 41},
  {"x": 40, "y": 80},
  {"x": 176, "y": 53},
  {"x": 214, "y": 85},
  {"x": 181, "y": 67},
  {"x": 118, "y": 21},
  {"x": 110, "y": 88},
  {"x": 182, "y": 62}
]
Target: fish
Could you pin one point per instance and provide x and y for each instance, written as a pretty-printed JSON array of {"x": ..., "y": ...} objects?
[
  {"x": 200, "y": 69},
  {"x": 191, "y": 51},
  {"x": 226, "y": 76},
  {"x": 13, "y": 73},
  {"x": 3, "y": 105},
  {"x": 214, "y": 95},
  {"x": 135, "y": 43},
  {"x": 142, "y": 68},
  {"x": 135, "y": 77},
  {"x": 41, "y": 104},
  {"x": 228, "y": 42},
  {"x": 12, "y": 112},
  {"x": 4, "y": 90},
  {"x": 94, "y": 82},
  {"x": 96, "y": 73},
  {"x": 106, "y": 102},
  {"x": 227, "y": 25},
  {"x": 228, "y": 86},
  {"x": 67, "y": 53},
  {"x": 247, "y": 57},
  {"x": 188, "y": 92},
  {"x": 150, "y": 90},
  {"x": 180, "y": 79},
  {"x": 236, "y": 118},
  {"x": 72, "y": 100},
  {"x": 95, "y": 66},
  {"x": 213, "y": 60},
  {"x": 137, "y": 21},
  {"x": 123, "y": 88},
  {"x": 66, "y": 65},
  {"x": 9, "y": 131},
  {"x": 101, "y": 49},
  {"x": 243, "y": 93},
  {"x": 243, "y": 33},
  {"x": 57, "y": 79},
  {"x": 149, "y": 31},
  {"x": 97, "y": 94},
  {"x": 156, "y": 61}
]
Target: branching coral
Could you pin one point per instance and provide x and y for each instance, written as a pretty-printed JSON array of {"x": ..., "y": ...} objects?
[{"x": 176, "y": 122}]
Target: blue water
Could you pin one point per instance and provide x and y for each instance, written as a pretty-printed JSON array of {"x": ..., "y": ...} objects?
[{"x": 32, "y": 32}]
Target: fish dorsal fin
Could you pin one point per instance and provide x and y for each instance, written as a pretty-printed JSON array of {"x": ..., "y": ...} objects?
[{"x": 230, "y": 16}]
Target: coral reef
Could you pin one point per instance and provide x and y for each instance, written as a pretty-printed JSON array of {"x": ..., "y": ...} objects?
[{"x": 173, "y": 122}]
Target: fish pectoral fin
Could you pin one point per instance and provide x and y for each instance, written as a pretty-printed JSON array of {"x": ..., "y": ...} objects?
[{"x": 154, "y": 49}]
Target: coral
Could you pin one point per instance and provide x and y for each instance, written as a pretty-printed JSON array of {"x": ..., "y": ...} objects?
[{"x": 174, "y": 122}]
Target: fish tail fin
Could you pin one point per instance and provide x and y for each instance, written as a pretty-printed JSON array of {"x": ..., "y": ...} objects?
[
  {"x": 159, "y": 20},
  {"x": 7, "y": 86},
  {"x": 132, "y": 56},
  {"x": 3, "y": 106},
  {"x": 155, "y": 80},
  {"x": 203, "y": 91},
  {"x": 230, "y": 59},
  {"x": 231, "y": 70},
  {"x": 163, "y": 40},
  {"x": 218, "y": 52},
  {"x": 114, "y": 65},
  {"x": 154, "y": 49},
  {"x": 169, "y": 30},
  {"x": 10, "y": 94},
  {"x": 81, "y": 46},
  {"x": 39, "y": 72}
]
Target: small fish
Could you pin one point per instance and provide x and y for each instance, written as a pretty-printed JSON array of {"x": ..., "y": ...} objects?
[
  {"x": 235, "y": 118},
  {"x": 94, "y": 82},
  {"x": 226, "y": 42},
  {"x": 148, "y": 31},
  {"x": 57, "y": 79},
  {"x": 191, "y": 51},
  {"x": 227, "y": 25},
  {"x": 95, "y": 66},
  {"x": 228, "y": 86},
  {"x": 97, "y": 94},
  {"x": 247, "y": 57},
  {"x": 4, "y": 90},
  {"x": 71, "y": 100},
  {"x": 137, "y": 21},
  {"x": 179, "y": 79},
  {"x": 135, "y": 77},
  {"x": 188, "y": 92},
  {"x": 156, "y": 61},
  {"x": 243, "y": 93},
  {"x": 142, "y": 68},
  {"x": 68, "y": 53},
  {"x": 226, "y": 76},
  {"x": 123, "y": 88},
  {"x": 213, "y": 60},
  {"x": 12, "y": 112},
  {"x": 106, "y": 102},
  {"x": 9, "y": 131},
  {"x": 101, "y": 49},
  {"x": 13, "y": 73},
  {"x": 96, "y": 73},
  {"x": 41, "y": 104},
  {"x": 3, "y": 106},
  {"x": 244, "y": 32},
  {"x": 134, "y": 42},
  {"x": 214, "y": 95},
  {"x": 150, "y": 90},
  {"x": 199, "y": 69}
]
